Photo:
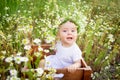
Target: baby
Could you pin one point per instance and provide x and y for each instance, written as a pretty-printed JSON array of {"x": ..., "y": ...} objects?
[{"x": 68, "y": 54}]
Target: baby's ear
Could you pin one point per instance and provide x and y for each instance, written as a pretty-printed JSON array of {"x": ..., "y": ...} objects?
[{"x": 58, "y": 37}]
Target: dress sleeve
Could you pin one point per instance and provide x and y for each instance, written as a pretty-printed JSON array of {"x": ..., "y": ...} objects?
[{"x": 77, "y": 55}]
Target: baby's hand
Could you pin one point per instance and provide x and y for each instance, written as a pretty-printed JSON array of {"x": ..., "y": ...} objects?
[{"x": 72, "y": 68}]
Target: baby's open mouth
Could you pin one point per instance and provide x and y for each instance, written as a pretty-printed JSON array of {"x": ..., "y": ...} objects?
[{"x": 69, "y": 38}]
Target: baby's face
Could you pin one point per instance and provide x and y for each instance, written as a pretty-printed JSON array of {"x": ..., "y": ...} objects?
[{"x": 67, "y": 34}]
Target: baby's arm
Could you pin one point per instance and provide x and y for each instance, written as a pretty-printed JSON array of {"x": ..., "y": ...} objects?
[{"x": 74, "y": 66}]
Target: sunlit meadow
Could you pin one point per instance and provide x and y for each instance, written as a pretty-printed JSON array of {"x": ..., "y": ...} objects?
[{"x": 28, "y": 23}]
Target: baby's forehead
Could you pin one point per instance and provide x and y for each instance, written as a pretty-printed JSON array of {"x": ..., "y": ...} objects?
[{"x": 68, "y": 24}]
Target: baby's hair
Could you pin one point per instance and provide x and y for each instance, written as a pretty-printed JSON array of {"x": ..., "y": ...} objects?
[
  {"x": 70, "y": 20},
  {"x": 66, "y": 20}
]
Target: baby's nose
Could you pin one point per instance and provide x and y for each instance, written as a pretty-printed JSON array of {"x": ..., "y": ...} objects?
[{"x": 69, "y": 32}]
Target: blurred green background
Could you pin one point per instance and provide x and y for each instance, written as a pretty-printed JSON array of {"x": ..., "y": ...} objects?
[{"x": 99, "y": 29}]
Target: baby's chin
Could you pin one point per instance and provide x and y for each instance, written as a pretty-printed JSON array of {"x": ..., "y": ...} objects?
[
  {"x": 69, "y": 43},
  {"x": 70, "y": 40}
]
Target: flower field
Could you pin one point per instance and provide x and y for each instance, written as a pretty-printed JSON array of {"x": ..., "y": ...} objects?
[{"x": 27, "y": 23}]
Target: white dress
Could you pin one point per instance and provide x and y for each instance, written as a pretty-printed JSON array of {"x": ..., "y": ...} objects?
[{"x": 65, "y": 56}]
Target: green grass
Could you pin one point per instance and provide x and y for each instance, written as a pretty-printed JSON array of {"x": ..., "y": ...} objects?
[{"x": 99, "y": 23}]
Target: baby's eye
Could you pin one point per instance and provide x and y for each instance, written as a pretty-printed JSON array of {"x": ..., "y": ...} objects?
[
  {"x": 64, "y": 30},
  {"x": 72, "y": 30}
]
